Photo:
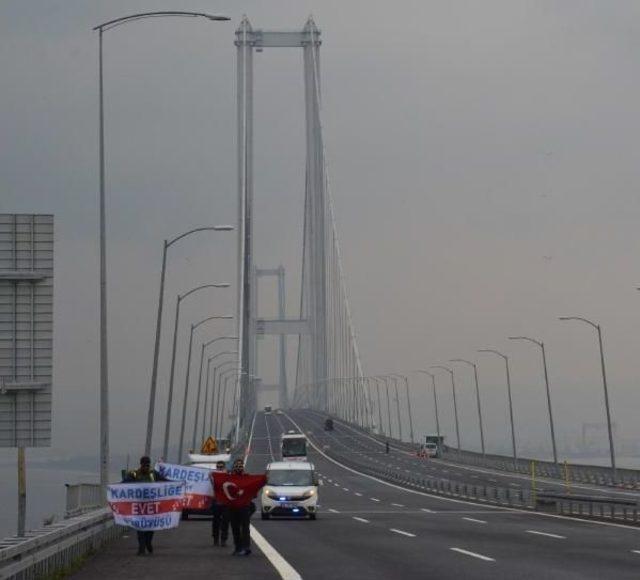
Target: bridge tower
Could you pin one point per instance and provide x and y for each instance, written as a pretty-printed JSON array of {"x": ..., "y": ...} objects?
[{"x": 326, "y": 341}]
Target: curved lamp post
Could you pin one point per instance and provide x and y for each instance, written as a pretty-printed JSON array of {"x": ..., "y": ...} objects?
[
  {"x": 606, "y": 389},
  {"x": 179, "y": 299},
  {"x": 455, "y": 402},
  {"x": 204, "y": 347},
  {"x": 104, "y": 368},
  {"x": 475, "y": 374},
  {"x": 156, "y": 347},
  {"x": 406, "y": 385},
  {"x": 186, "y": 380},
  {"x": 546, "y": 382},
  {"x": 197, "y": 410},
  {"x": 435, "y": 397},
  {"x": 513, "y": 430}
]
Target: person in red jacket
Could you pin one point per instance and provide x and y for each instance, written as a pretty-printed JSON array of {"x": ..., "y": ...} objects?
[{"x": 237, "y": 490}]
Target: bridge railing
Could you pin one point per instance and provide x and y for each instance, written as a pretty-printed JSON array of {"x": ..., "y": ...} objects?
[
  {"x": 584, "y": 474},
  {"x": 82, "y": 497},
  {"x": 54, "y": 548}
]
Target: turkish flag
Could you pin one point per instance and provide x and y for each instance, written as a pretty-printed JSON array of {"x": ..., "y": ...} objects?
[{"x": 236, "y": 491}]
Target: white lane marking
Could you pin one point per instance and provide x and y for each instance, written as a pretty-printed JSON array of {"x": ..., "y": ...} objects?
[
  {"x": 471, "y": 503},
  {"x": 635, "y": 551},
  {"x": 358, "y": 494},
  {"x": 333, "y": 511},
  {"x": 427, "y": 510},
  {"x": 286, "y": 570},
  {"x": 475, "y": 521},
  {"x": 402, "y": 532},
  {"x": 337, "y": 485},
  {"x": 346, "y": 488},
  {"x": 374, "y": 499},
  {"x": 397, "y": 505},
  {"x": 473, "y": 554},
  {"x": 547, "y": 534},
  {"x": 322, "y": 482},
  {"x": 361, "y": 520}
]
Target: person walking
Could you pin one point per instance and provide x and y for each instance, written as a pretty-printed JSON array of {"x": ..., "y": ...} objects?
[
  {"x": 240, "y": 515},
  {"x": 220, "y": 515},
  {"x": 144, "y": 474}
]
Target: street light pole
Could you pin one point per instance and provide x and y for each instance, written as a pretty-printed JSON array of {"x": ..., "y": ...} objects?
[
  {"x": 179, "y": 299},
  {"x": 606, "y": 390},
  {"x": 380, "y": 429},
  {"x": 186, "y": 381},
  {"x": 104, "y": 380},
  {"x": 215, "y": 388},
  {"x": 156, "y": 348},
  {"x": 435, "y": 398},
  {"x": 546, "y": 382},
  {"x": 455, "y": 402},
  {"x": 386, "y": 384},
  {"x": 475, "y": 374},
  {"x": 395, "y": 384},
  {"x": 406, "y": 384},
  {"x": 513, "y": 430}
]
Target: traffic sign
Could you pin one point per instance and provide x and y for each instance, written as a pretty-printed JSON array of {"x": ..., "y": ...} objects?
[
  {"x": 26, "y": 329},
  {"x": 209, "y": 447}
]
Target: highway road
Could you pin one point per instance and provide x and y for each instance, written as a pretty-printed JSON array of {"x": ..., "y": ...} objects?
[
  {"x": 350, "y": 440},
  {"x": 370, "y": 529}
]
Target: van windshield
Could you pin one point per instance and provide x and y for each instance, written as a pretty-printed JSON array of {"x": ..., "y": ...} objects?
[{"x": 300, "y": 477}]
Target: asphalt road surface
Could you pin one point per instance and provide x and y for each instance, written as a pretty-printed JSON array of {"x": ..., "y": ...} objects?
[{"x": 371, "y": 529}]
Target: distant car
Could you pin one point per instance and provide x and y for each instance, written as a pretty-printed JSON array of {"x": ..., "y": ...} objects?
[
  {"x": 328, "y": 425},
  {"x": 291, "y": 490},
  {"x": 429, "y": 450},
  {"x": 267, "y": 410}
]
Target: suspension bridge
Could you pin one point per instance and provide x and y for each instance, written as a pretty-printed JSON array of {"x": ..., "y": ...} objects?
[{"x": 385, "y": 510}]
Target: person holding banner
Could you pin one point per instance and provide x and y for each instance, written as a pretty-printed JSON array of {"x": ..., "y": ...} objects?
[
  {"x": 220, "y": 515},
  {"x": 237, "y": 490},
  {"x": 144, "y": 474}
]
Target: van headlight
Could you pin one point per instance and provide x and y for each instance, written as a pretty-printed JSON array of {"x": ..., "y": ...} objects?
[
  {"x": 270, "y": 493},
  {"x": 308, "y": 494}
]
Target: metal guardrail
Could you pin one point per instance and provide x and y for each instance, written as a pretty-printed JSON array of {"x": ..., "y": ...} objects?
[
  {"x": 601, "y": 508},
  {"x": 82, "y": 497},
  {"x": 571, "y": 472},
  {"x": 48, "y": 550}
]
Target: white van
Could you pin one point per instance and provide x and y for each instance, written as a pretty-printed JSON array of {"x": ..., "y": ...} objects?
[{"x": 291, "y": 490}]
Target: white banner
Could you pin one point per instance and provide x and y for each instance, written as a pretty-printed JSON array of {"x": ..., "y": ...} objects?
[
  {"x": 147, "y": 507},
  {"x": 199, "y": 491}
]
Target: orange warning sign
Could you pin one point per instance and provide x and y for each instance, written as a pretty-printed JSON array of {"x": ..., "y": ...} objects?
[{"x": 209, "y": 447}]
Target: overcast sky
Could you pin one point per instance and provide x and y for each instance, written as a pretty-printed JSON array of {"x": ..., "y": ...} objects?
[{"x": 483, "y": 157}]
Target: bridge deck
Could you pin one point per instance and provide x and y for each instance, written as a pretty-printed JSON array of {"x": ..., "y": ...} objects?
[{"x": 185, "y": 552}]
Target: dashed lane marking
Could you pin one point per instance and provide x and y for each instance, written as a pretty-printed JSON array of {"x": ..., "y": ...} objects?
[
  {"x": 358, "y": 494},
  {"x": 547, "y": 534},
  {"x": 346, "y": 488},
  {"x": 333, "y": 511},
  {"x": 402, "y": 533},
  {"x": 473, "y": 554},
  {"x": 374, "y": 499},
  {"x": 427, "y": 510},
  {"x": 397, "y": 505},
  {"x": 475, "y": 521},
  {"x": 361, "y": 520}
]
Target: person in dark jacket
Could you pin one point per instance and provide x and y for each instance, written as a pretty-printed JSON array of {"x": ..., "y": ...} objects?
[
  {"x": 220, "y": 513},
  {"x": 144, "y": 474}
]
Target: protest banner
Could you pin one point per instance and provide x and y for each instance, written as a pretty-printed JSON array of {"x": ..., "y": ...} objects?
[
  {"x": 147, "y": 507},
  {"x": 198, "y": 492}
]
